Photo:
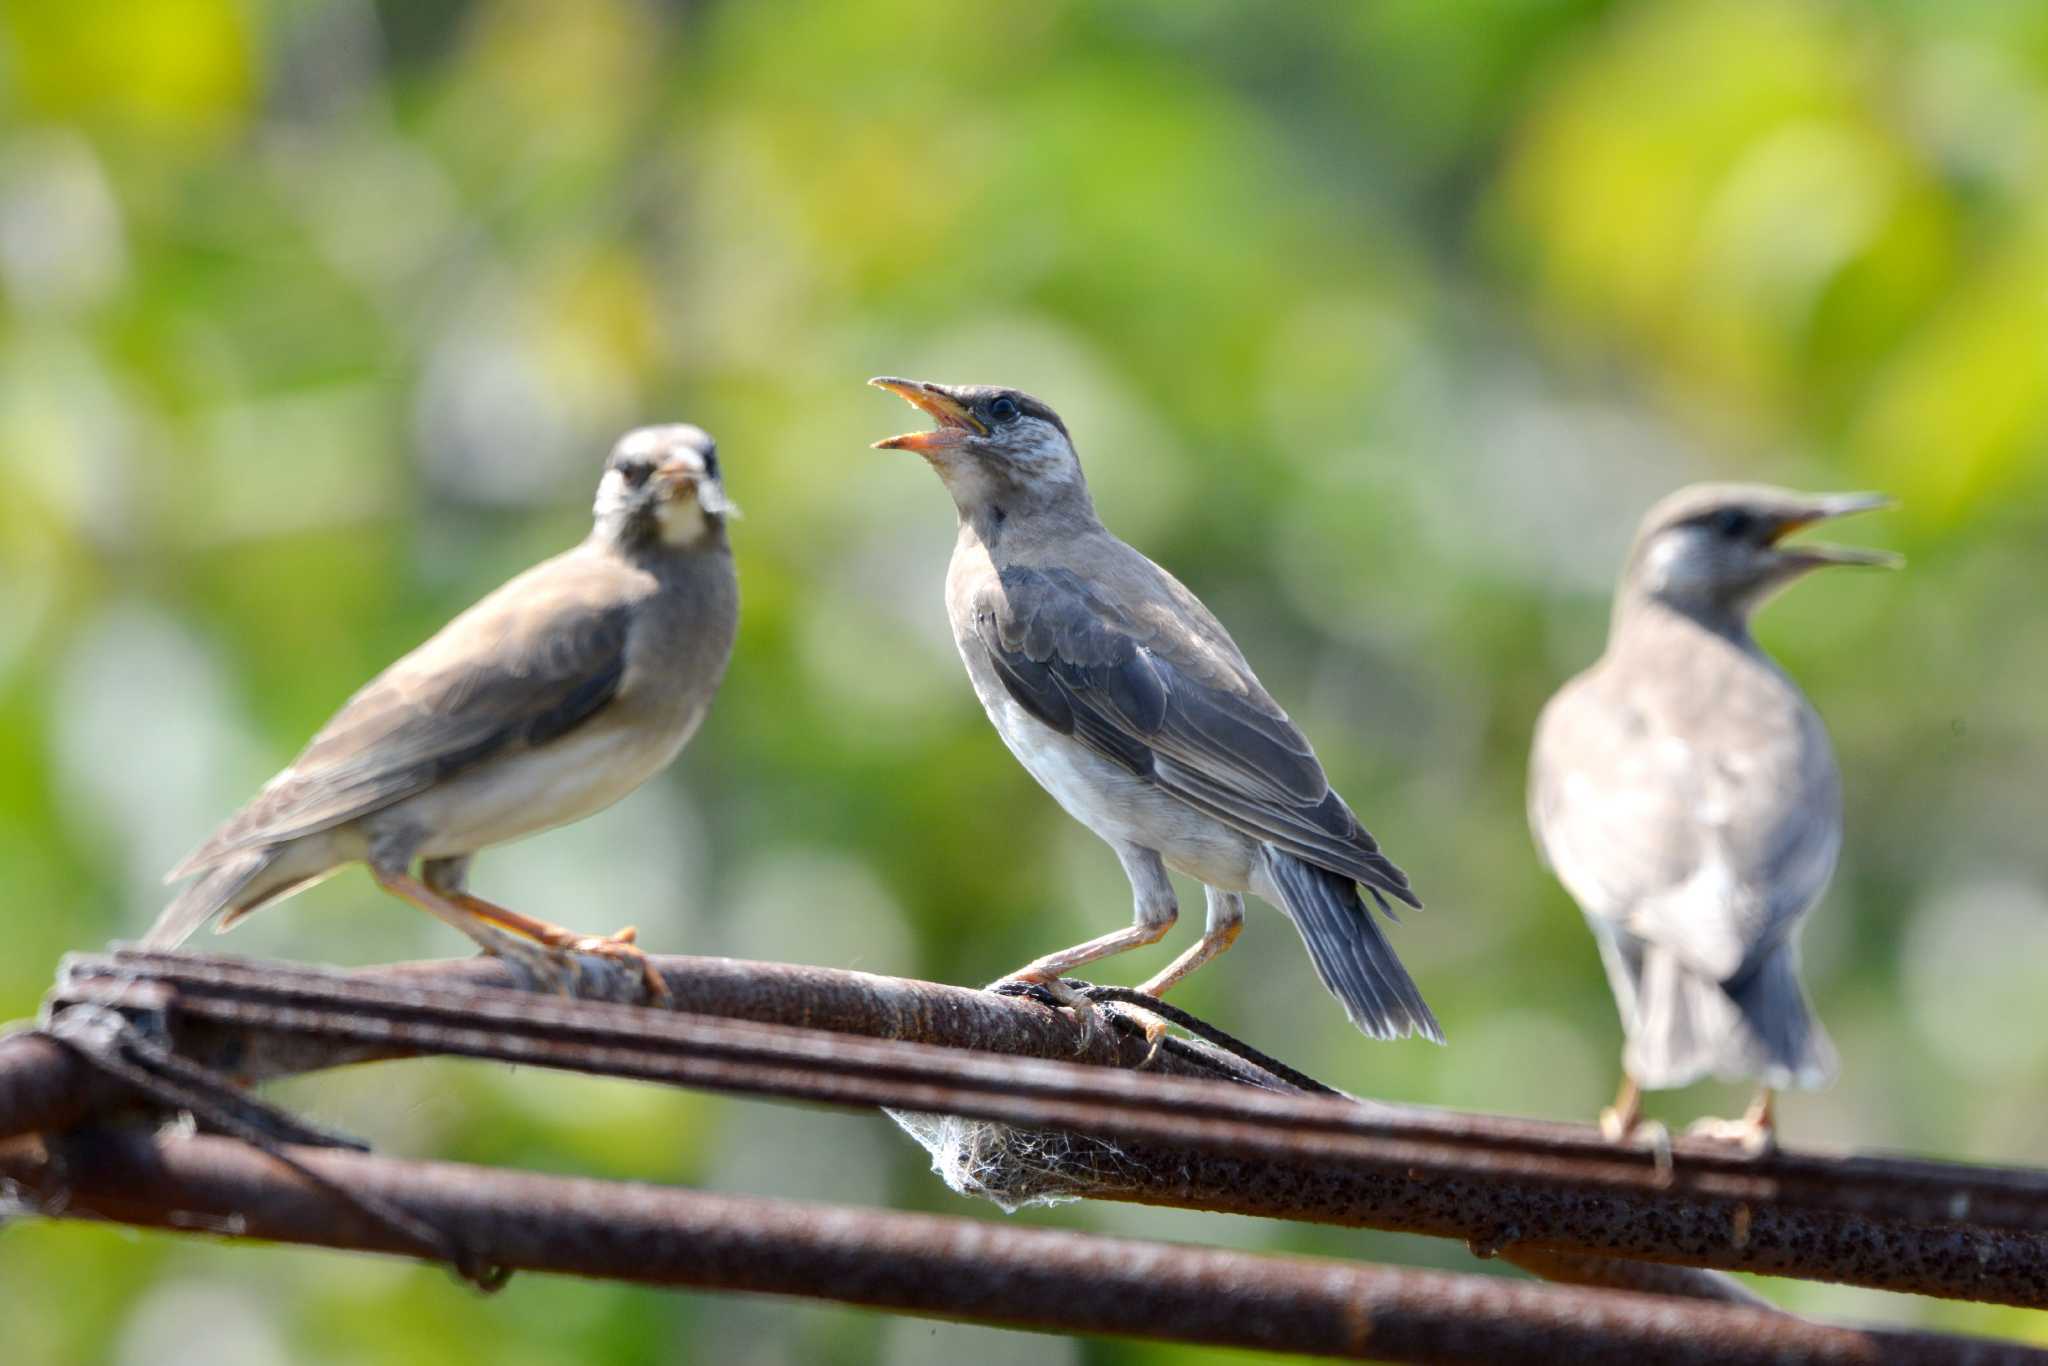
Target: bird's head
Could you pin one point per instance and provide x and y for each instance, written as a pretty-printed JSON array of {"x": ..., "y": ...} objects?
[
  {"x": 991, "y": 445},
  {"x": 661, "y": 488},
  {"x": 1721, "y": 548}
]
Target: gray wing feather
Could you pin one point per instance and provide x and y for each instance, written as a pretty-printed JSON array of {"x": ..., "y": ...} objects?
[
  {"x": 528, "y": 664},
  {"x": 1187, "y": 716},
  {"x": 1609, "y": 804},
  {"x": 1672, "y": 841}
]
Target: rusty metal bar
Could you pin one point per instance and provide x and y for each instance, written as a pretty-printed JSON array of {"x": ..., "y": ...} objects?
[
  {"x": 923, "y": 1264},
  {"x": 1526, "y": 1221},
  {"x": 43, "y": 1086},
  {"x": 1619, "y": 1273},
  {"x": 1503, "y": 1184},
  {"x": 248, "y": 998},
  {"x": 963, "y": 1018},
  {"x": 827, "y": 999}
]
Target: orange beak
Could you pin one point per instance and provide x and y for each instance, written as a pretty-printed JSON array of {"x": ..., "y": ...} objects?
[
  {"x": 956, "y": 423},
  {"x": 1826, "y": 509}
]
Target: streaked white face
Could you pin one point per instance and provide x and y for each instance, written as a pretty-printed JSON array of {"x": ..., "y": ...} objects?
[
  {"x": 675, "y": 504},
  {"x": 1026, "y": 454},
  {"x": 1697, "y": 566},
  {"x": 662, "y": 474},
  {"x": 1693, "y": 563},
  {"x": 617, "y": 497},
  {"x": 1039, "y": 450}
]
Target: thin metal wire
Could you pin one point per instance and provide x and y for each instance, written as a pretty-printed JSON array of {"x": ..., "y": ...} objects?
[
  {"x": 133, "y": 1056},
  {"x": 112, "y": 1043},
  {"x": 1202, "y": 1029}
]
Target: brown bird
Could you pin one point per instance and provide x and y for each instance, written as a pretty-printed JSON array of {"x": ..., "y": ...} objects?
[
  {"x": 547, "y": 701},
  {"x": 1128, "y": 702},
  {"x": 1684, "y": 791}
]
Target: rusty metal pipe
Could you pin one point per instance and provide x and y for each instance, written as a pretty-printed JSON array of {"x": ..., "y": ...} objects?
[
  {"x": 1515, "y": 1186},
  {"x": 922, "y": 1264}
]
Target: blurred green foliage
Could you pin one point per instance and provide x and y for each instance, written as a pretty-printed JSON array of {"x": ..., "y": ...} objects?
[{"x": 1377, "y": 323}]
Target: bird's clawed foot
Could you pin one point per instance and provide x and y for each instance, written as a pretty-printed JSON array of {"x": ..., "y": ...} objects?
[
  {"x": 1614, "y": 1125},
  {"x": 1057, "y": 993},
  {"x": 1623, "y": 1122},
  {"x": 1118, "y": 1006},
  {"x": 545, "y": 953},
  {"x": 620, "y": 948},
  {"x": 542, "y": 968},
  {"x": 1755, "y": 1133},
  {"x": 1753, "y": 1139},
  {"x": 1092, "y": 1016},
  {"x": 1618, "y": 1121},
  {"x": 1153, "y": 1028},
  {"x": 1646, "y": 1135},
  {"x": 553, "y": 965},
  {"x": 550, "y": 958},
  {"x": 561, "y": 946}
]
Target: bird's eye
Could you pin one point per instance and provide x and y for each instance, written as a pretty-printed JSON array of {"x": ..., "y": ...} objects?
[
  {"x": 635, "y": 473},
  {"x": 1733, "y": 523},
  {"x": 1003, "y": 409}
]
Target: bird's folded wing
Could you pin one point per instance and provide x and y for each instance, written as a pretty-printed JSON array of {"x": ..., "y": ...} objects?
[
  {"x": 1664, "y": 842},
  {"x": 1612, "y": 806},
  {"x": 1764, "y": 860},
  {"x": 529, "y": 663},
  {"x": 1171, "y": 701}
]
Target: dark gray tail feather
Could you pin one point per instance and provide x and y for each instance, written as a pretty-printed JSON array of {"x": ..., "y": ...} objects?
[
  {"x": 1350, "y": 950},
  {"x": 1758, "y": 1027},
  {"x": 226, "y": 886}
]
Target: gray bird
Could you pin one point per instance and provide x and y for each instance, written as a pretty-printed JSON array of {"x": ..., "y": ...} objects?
[
  {"x": 1685, "y": 793},
  {"x": 1128, "y": 702},
  {"x": 547, "y": 701}
]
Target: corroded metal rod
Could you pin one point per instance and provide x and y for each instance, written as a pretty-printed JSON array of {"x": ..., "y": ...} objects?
[
  {"x": 924, "y": 1264},
  {"x": 1509, "y": 1185}
]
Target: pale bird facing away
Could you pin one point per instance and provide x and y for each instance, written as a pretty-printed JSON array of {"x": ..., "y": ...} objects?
[
  {"x": 1685, "y": 793},
  {"x": 1128, "y": 702},
  {"x": 549, "y": 700}
]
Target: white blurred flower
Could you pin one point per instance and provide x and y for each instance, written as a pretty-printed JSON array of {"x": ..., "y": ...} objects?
[
  {"x": 203, "y": 1323},
  {"x": 61, "y": 242},
  {"x": 149, "y": 746}
]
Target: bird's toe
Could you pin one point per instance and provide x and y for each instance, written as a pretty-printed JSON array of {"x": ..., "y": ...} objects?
[
  {"x": 1745, "y": 1135},
  {"x": 538, "y": 967},
  {"x": 1614, "y": 1125},
  {"x": 621, "y": 949},
  {"x": 1056, "y": 993},
  {"x": 1151, "y": 1026}
]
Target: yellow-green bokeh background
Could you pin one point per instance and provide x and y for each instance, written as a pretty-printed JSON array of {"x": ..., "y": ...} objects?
[{"x": 1378, "y": 323}]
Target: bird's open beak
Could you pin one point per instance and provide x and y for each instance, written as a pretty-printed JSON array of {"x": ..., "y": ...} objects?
[
  {"x": 1825, "y": 509},
  {"x": 956, "y": 424}
]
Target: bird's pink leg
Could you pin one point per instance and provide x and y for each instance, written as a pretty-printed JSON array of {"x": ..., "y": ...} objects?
[
  {"x": 1044, "y": 971},
  {"x": 618, "y": 945},
  {"x": 1047, "y": 971},
  {"x": 464, "y": 911},
  {"x": 1225, "y": 922},
  {"x": 1618, "y": 1121},
  {"x": 1208, "y": 946}
]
